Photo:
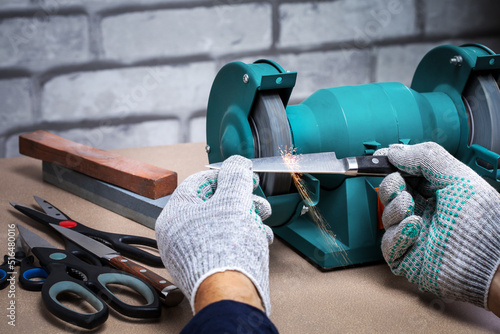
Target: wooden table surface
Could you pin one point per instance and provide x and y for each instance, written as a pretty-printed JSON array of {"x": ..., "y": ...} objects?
[{"x": 367, "y": 299}]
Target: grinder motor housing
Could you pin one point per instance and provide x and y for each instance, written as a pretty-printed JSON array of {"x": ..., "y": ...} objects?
[{"x": 454, "y": 100}]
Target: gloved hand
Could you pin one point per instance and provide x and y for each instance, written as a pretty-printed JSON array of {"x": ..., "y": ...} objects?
[
  {"x": 213, "y": 223},
  {"x": 442, "y": 234}
]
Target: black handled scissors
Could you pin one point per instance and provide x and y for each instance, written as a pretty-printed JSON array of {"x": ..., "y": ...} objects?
[
  {"x": 30, "y": 277},
  {"x": 67, "y": 273},
  {"x": 119, "y": 242}
]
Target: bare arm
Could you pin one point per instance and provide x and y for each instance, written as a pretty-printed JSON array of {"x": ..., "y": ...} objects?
[{"x": 227, "y": 285}]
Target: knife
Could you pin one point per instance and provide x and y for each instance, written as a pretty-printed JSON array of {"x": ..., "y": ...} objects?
[
  {"x": 321, "y": 163},
  {"x": 169, "y": 293}
]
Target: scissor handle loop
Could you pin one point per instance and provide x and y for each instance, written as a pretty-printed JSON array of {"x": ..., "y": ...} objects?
[
  {"x": 27, "y": 281},
  {"x": 58, "y": 263},
  {"x": 84, "y": 255},
  {"x": 85, "y": 320},
  {"x": 28, "y": 272},
  {"x": 3, "y": 279},
  {"x": 123, "y": 244},
  {"x": 35, "y": 273},
  {"x": 150, "y": 310}
]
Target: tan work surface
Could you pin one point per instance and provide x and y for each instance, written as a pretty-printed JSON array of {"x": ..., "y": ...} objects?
[{"x": 369, "y": 299}]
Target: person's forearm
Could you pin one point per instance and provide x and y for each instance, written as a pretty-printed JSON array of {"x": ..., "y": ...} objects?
[
  {"x": 227, "y": 285},
  {"x": 494, "y": 294}
]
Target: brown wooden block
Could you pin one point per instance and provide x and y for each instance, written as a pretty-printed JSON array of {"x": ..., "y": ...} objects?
[{"x": 141, "y": 178}]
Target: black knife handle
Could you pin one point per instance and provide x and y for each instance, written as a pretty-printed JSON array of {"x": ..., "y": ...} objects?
[{"x": 375, "y": 165}]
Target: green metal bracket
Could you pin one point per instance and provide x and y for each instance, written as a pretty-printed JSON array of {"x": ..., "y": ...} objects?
[
  {"x": 487, "y": 63},
  {"x": 485, "y": 162},
  {"x": 371, "y": 146}
]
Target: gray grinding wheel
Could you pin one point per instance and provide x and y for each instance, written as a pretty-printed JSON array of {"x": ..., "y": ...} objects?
[
  {"x": 271, "y": 134},
  {"x": 482, "y": 100}
]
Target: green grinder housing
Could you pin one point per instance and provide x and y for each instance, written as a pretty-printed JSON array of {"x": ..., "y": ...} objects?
[{"x": 454, "y": 100}]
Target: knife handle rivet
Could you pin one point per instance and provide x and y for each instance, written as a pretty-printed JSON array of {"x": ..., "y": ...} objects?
[
  {"x": 124, "y": 260},
  {"x": 375, "y": 160},
  {"x": 143, "y": 270},
  {"x": 163, "y": 282}
]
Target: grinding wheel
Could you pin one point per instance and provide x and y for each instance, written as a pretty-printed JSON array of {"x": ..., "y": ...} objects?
[
  {"x": 271, "y": 135},
  {"x": 482, "y": 100}
]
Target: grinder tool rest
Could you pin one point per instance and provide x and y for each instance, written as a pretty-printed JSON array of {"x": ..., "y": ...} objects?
[{"x": 454, "y": 100}]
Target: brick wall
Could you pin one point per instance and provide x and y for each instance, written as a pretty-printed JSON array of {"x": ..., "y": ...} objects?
[{"x": 128, "y": 73}]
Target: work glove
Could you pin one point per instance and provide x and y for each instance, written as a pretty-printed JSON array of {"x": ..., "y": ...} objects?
[
  {"x": 443, "y": 231},
  {"x": 213, "y": 223}
]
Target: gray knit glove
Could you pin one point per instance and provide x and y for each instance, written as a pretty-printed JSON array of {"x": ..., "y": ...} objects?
[
  {"x": 443, "y": 232},
  {"x": 213, "y": 223}
]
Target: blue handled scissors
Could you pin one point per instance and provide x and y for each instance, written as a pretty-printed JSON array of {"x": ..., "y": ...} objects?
[
  {"x": 122, "y": 243},
  {"x": 30, "y": 277},
  {"x": 67, "y": 273}
]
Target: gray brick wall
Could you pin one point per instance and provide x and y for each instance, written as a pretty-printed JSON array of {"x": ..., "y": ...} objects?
[{"x": 129, "y": 73}]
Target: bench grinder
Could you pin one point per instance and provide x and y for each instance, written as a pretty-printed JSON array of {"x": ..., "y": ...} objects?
[{"x": 454, "y": 100}]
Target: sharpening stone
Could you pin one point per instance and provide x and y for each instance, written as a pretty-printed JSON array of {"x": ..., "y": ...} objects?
[
  {"x": 142, "y": 178},
  {"x": 121, "y": 201}
]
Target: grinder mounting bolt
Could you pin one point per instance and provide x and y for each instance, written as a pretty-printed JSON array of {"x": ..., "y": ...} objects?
[
  {"x": 456, "y": 60},
  {"x": 245, "y": 78}
]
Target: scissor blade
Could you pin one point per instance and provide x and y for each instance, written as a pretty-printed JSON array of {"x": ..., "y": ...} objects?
[
  {"x": 36, "y": 215},
  {"x": 50, "y": 209},
  {"x": 32, "y": 239},
  {"x": 313, "y": 163},
  {"x": 95, "y": 247},
  {"x": 21, "y": 245}
]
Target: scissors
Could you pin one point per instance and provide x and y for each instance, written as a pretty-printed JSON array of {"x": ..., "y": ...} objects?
[
  {"x": 120, "y": 242},
  {"x": 67, "y": 273},
  {"x": 30, "y": 277}
]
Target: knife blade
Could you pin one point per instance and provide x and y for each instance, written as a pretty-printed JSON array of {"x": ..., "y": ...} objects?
[
  {"x": 321, "y": 163},
  {"x": 169, "y": 293}
]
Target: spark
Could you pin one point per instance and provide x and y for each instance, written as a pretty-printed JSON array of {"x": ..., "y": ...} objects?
[{"x": 292, "y": 160}]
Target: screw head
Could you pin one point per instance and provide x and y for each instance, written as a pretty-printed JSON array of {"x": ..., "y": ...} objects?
[
  {"x": 456, "y": 60},
  {"x": 246, "y": 78}
]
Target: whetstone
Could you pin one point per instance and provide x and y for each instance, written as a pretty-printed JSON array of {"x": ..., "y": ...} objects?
[
  {"x": 124, "y": 202},
  {"x": 141, "y": 178}
]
